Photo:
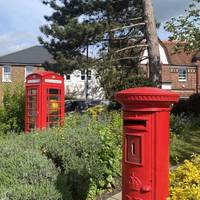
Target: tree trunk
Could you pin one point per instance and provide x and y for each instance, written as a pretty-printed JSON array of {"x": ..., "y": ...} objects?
[{"x": 152, "y": 41}]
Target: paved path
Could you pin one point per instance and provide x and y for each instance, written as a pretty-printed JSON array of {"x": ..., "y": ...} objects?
[{"x": 116, "y": 197}]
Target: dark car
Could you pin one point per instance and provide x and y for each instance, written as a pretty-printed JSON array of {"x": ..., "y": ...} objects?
[
  {"x": 69, "y": 106},
  {"x": 75, "y": 105}
]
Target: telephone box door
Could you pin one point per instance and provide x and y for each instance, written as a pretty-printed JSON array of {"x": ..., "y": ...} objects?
[
  {"x": 138, "y": 158},
  {"x": 32, "y": 108},
  {"x": 53, "y": 108}
]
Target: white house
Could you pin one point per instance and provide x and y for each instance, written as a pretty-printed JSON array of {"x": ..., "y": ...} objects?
[{"x": 80, "y": 86}]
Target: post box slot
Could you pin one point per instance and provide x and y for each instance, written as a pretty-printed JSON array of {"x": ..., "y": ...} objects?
[
  {"x": 134, "y": 149},
  {"x": 140, "y": 123}
]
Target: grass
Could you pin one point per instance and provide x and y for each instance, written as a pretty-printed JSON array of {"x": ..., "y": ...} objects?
[{"x": 184, "y": 145}]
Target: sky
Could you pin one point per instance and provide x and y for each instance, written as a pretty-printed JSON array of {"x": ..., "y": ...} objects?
[{"x": 20, "y": 21}]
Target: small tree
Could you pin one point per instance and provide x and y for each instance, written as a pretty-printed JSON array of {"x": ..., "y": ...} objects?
[
  {"x": 12, "y": 110},
  {"x": 186, "y": 28}
]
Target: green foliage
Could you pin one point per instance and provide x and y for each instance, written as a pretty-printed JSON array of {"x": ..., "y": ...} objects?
[
  {"x": 180, "y": 108},
  {"x": 185, "y": 180},
  {"x": 115, "y": 77},
  {"x": 78, "y": 161},
  {"x": 101, "y": 25},
  {"x": 96, "y": 111},
  {"x": 25, "y": 173},
  {"x": 178, "y": 124},
  {"x": 186, "y": 28},
  {"x": 184, "y": 136},
  {"x": 188, "y": 107},
  {"x": 130, "y": 81},
  {"x": 194, "y": 104},
  {"x": 12, "y": 109},
  {"x": 76, "y": 24}
]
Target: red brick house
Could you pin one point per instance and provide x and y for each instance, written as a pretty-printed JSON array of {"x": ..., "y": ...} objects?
[
  {"x": 16, "y": 66},
  {"x": 180, "y": 71}
]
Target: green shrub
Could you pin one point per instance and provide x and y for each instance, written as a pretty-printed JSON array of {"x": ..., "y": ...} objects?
[
  {"x": 185, "y": 180},
  {"x": 25, "y": 173},
  {"x": 96, "y": 111},
  {"x": 178, "y": 124},
  {"x": 77, "y": 161},
  {"x": 180, "y": 107},
  {"x": 130, "y": 81},
  {"x": 194, "y": 104},
  {"x": 12, "y": 109}
]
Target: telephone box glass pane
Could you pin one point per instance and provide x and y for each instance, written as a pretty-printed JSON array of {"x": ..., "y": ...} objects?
[
  {"x": 134, "y": 149},
  {"x": 53, "y": 91},
  {"x": 32, "y": 91}
]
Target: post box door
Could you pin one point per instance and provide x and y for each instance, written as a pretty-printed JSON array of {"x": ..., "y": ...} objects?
[
  {"x": 137, "y": 159},
  {"x": 32, "y": 108},
  {"x": 53, "y": 108}
]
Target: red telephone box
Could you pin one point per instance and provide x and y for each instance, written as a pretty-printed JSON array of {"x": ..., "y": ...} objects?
[
  {"x": 44, "y": 100},
  {"x": 145, "y": 167}
]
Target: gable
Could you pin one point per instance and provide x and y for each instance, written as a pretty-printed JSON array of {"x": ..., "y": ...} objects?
[
  {"x": 163, "y": 56},
  {"x": 169, "y": 56}
]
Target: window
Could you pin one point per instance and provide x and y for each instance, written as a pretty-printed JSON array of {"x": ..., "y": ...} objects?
[
  {"x": 89, "y": 74},
  {"x": 28, "y": 70},
  {"x": 6, "y": 74},
  {"x": 182, "y": 74},
  {"x": 68, "y": 77},
  {"x": 82, "y": 75}
]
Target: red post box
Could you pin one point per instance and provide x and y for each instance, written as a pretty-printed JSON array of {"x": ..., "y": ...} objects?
[
  {"x": 44, "y": 100},
  {"x": 145, "y": 167}
]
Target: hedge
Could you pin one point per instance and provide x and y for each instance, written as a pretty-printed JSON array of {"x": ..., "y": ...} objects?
[
  {"x": 25, "y": 173},
  {"x": 78, "y": 161}
]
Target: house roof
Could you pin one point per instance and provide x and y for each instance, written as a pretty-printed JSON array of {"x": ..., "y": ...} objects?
[
  {"x": 177, "y": 58},
  {"x": 33, "y": 55}
]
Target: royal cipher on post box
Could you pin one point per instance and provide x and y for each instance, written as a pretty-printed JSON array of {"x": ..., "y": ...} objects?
[
  {"x": 145, "y": 167},
  {"x": 44, "y": 106}
]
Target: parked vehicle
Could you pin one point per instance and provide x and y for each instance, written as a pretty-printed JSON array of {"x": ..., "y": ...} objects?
[
  {"x": 75, "y": 105},
  {"x": 82, "y": 105}
]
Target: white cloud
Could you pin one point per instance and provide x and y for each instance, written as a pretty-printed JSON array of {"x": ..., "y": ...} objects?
[
  {"x": 21, "y": 19},
  {"x": 15, "y": 41},
  {"x": 20, "y": 22}
]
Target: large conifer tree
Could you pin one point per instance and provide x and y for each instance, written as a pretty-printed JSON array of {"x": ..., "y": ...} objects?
[
  {"x": 112, "y": 26},
  {"x": 77, "y": 23}
]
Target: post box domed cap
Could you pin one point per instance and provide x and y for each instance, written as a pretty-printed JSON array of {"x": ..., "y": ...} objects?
[{"x": 145, "y": 94}]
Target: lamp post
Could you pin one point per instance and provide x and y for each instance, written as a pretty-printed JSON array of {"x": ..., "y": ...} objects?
[{"x": 86, "y": 78}]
